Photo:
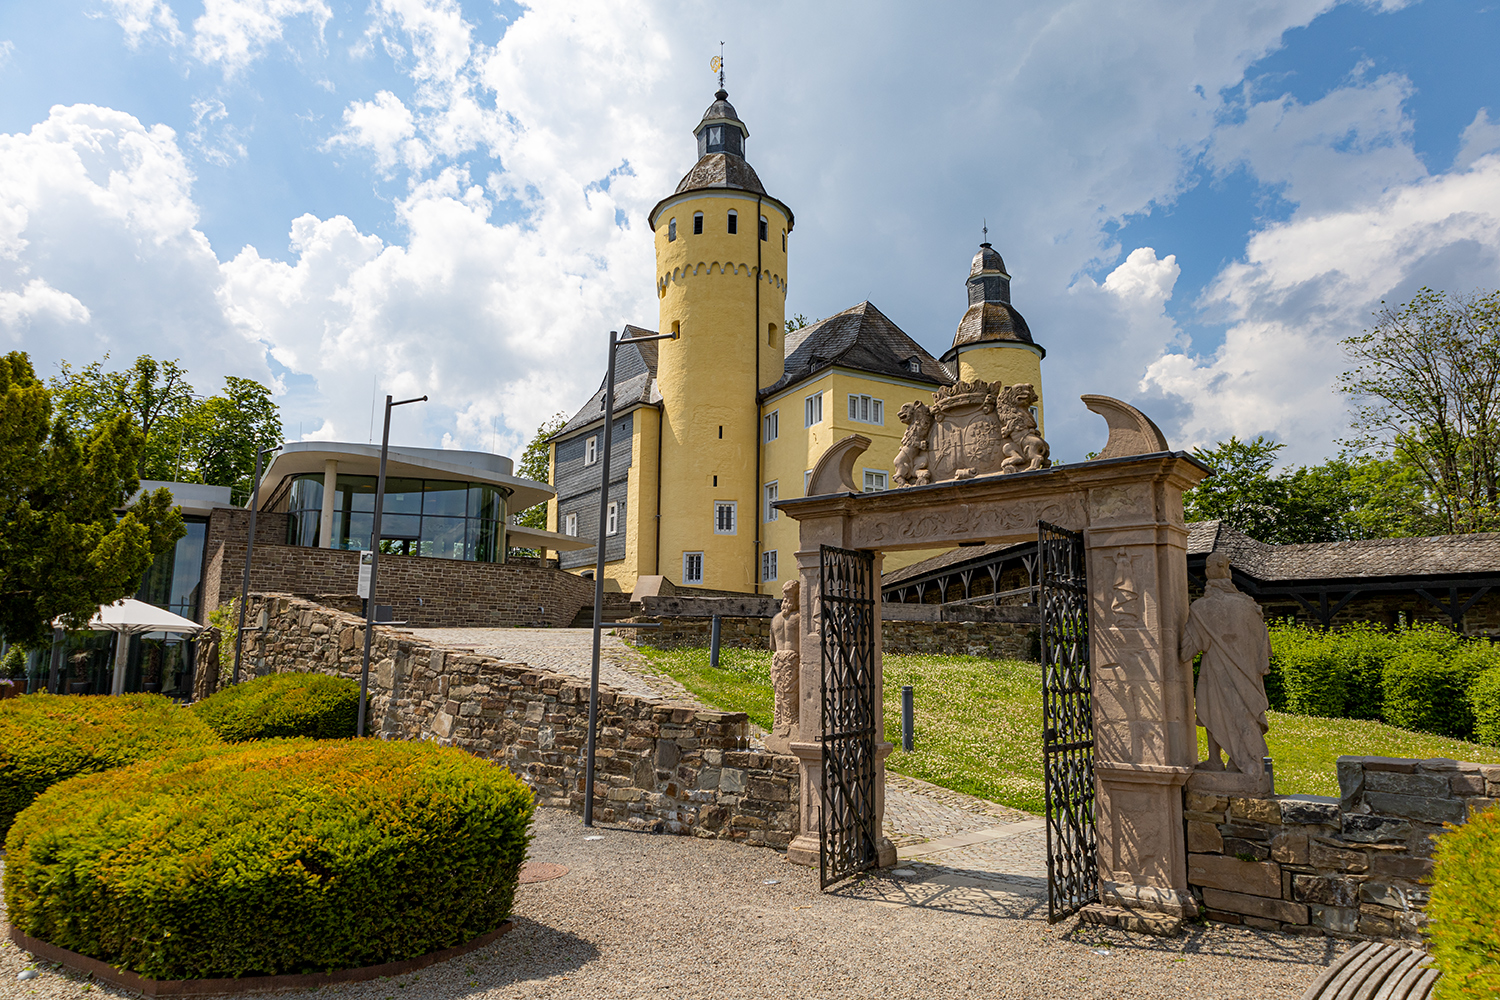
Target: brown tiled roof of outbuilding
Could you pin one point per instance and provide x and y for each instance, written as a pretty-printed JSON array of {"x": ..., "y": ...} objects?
[{"x": 1370, "y": 558}]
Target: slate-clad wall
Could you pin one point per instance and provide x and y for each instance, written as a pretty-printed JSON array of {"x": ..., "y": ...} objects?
[
  {"x": 1348, "y": 867},
  {"x": 578, "y": 489},
  {"x": 659, "y": 767}
]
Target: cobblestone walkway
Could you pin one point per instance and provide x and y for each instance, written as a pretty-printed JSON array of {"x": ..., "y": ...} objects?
[{"x": 934, "y": 829}]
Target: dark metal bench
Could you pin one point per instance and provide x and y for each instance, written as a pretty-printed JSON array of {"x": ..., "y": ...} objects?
[{"x": 1372, "y": 971}]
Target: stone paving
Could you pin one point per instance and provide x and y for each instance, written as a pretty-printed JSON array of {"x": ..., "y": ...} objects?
[{"x": 934, "y": 829}]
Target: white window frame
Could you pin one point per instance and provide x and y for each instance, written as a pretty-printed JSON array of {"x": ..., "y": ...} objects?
[
  {"x": 772, "y": 426},
  {"x": 591, "y": 450},
  {"x": 732, "y": 222},
  {"x": 772, "y": 493},
  {"x": 733, "y": 507},
  {"x": 768, "y": 566},
  {"x": 883, "y": 477},
  {"x": 688, "y": 560},
  {"x": 812, "y": 410},
  {"x": 865, "y": 409},
  {"x": 671, "y": 230},
  {"x": 570, "y": 525},
  {"x": 612, "y": 518}
]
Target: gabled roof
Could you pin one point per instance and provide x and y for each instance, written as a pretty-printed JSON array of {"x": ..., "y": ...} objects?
[
  {"x": 1368, "y": 558},
  {"x": 635, "y": 381},
  {"x": 862, "y": 338}
]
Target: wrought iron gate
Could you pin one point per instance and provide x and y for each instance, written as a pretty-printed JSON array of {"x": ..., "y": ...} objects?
[
  {"x": 849, "y": 840},
  {"x": 1068, "y": 723}
]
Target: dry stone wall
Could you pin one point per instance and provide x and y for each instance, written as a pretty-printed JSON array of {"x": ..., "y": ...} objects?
[
  {"x": 660, "y": 767},
  {"x": 1348, "y": 867}
]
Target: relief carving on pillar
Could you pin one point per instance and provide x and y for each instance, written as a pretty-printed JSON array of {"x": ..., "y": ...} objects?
[
  {"x": 971, "y": 429},
  {"x": 786, "y": 667},
  {"x": 1228, "y": 628}
]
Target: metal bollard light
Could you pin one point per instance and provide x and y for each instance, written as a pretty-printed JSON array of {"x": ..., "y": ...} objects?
[
  {"x": 908, "y": 720},
  {"x": 713, "y": 645}
]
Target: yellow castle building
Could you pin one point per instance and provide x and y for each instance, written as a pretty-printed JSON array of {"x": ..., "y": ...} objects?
[{"x": 712, "y": 428}]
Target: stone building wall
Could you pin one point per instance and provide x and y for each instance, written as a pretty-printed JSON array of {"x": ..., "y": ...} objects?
[
  {"x": 1348, "y": 867},
  {"x": 659, "y": 767},
  {"x": 423, "y": 592}
]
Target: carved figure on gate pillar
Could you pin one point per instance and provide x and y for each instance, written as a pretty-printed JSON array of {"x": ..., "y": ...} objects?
[
  {"x": 971, "y": 429},
  {"x": 786, "y": 666},
  {"x": 1228, "y": 628}
]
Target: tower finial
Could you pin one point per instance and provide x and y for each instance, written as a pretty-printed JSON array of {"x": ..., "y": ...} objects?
[
  {"x": 717, "y": 65},
  {"x": 986, "y": 231}
]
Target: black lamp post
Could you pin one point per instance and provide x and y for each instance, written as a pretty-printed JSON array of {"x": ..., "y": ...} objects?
[
  {"x": 385, "y": 447},
  {"x": 609, "y": 419},
  {"x": 239, "y": 634}
]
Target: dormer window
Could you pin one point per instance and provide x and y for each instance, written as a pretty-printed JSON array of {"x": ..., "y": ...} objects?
[
  {"x": 914, "y": 364},
  {"x": 697, "y": 223},
  {"x": 671, "y": 229},
  {"x": 734, "y": 222}
]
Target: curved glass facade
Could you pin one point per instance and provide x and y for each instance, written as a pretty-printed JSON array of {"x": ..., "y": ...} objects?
[{"x": 438, "y": 518}]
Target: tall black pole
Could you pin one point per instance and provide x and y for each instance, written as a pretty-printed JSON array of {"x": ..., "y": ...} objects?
[
  {"x": 239, "y": 635},
  {"x": 609, "y": 419},
  {"x": 385, "y": 447}
]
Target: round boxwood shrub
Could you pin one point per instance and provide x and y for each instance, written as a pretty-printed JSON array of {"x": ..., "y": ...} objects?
[
  {"x": 1463, "y": 917},
  {"x": 47, "y": 738},
  {"x": 284, "y": 856},
  {"x": 312, "y": 705}
]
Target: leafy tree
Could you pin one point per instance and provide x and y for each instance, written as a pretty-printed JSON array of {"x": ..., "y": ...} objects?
[
  {"x": 536, "y": 464},
  {"x": 797, "y": 322},
  {"x": 63, "y": 551},
  {"x": 188, "y": 438},
  {"x": 1426, "y": 389}
]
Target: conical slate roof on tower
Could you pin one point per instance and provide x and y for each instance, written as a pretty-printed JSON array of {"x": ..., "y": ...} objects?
[{"x": 990, "y": 316}]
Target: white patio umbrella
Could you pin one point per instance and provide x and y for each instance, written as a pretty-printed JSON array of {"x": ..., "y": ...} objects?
[{"x": 131, "y": 617}]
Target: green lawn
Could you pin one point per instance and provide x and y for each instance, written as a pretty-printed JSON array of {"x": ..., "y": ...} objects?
[{"x": 979, "y": 724}]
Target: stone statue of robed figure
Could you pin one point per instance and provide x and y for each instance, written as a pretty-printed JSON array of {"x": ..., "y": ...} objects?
[{"x": 1228, "y": 628}]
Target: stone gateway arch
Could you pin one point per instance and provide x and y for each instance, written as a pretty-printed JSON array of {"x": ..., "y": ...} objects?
[{"x": 1122, "y": 514}]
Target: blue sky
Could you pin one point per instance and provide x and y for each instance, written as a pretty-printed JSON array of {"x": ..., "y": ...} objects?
[{"x": 1196, "y": 200}]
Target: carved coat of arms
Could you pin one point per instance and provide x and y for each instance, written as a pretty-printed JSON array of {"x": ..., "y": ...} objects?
[{"x": 971, "y": 429}]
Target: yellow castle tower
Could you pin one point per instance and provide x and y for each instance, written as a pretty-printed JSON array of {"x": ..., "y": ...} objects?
[
  {"x": 993, "y": 342},
  {"x": 721, "y": 264}
]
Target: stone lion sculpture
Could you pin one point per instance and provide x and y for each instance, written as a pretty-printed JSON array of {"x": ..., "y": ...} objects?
[
  {"x": 1021, "y": 442},
  {"x": 910, "y": 466}
]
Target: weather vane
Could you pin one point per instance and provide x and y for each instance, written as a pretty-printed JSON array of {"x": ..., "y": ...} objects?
[
  {"x": 717, "y": 65},
  {"x": 986, "y": 230}
]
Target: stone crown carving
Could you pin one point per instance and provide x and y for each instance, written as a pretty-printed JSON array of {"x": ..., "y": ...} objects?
[{"x": 971, "y": 429}]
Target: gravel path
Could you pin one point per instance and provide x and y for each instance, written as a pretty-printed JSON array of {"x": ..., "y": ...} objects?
[{"x": 657, "y": 916}]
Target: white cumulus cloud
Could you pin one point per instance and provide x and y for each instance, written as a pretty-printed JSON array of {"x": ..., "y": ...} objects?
[{"x": 234, "y": 32}]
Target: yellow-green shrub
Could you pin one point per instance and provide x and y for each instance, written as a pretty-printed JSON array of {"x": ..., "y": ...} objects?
[
  {"x": 313, "y": 705},
  {"x": 47, "y": 738},
  {"x": 1464, "y": 914},
  {"x": 1484, "y": 702},
  {"x": 283, "y": 856}
]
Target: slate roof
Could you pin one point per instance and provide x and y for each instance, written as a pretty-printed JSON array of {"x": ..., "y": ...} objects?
[
  {"x": 721, "y": 170},
  {"x": 954, "y": 557},
  {"x": 635, "y": 381},
  {"x": 1370, "y": 558},
  {"x": 863, "y": 338}
]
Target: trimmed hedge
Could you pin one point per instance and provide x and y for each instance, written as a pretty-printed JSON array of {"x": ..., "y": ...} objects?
[
  {"x": 1484, "y": 702},
  {"x": 312, "y": 705},
  {"x": 284, "y": 856},
  {"x": 1463, "y": 918},
  {"x": 47, "y": 738}
]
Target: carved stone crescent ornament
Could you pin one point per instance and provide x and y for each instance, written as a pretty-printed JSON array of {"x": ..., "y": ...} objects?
[{"x": 1131, "y": 432}]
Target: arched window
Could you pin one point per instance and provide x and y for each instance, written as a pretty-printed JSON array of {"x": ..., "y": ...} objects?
[
  {"x": 770, "y": 334},
  {"x": 763, "y": 228},
  {"x": 734, "y": 222},
  {"x": 783, "y": 241},
  {"x": 697, "y": 223},
  {"x": 671, "y": 229}
]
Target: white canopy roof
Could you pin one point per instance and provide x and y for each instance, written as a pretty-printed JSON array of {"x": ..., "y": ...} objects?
[{"x": 132, "y": 616}]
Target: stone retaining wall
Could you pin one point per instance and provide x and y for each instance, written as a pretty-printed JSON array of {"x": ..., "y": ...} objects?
[
  {"x": 993, "y": 640},
  {"x": 659, "y": 767},
  {"x": 1347, "y": 867}
]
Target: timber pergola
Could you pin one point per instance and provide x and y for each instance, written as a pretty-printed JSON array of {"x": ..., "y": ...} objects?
[{"x": 969, "y": 566}]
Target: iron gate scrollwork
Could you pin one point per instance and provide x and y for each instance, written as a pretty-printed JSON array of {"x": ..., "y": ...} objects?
[
  {"x": 1068, "y": 723},
  {"x": 848, "y": 840}
]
